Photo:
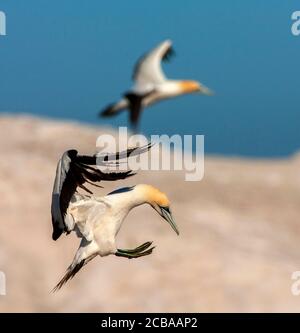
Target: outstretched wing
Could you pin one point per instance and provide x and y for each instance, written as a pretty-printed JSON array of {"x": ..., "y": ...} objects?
[
  {"x": 74, "y": 171},
  {"x": 147, "y": 71}
]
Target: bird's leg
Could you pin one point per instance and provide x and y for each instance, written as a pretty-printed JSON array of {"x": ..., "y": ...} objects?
[
  {"x": 139, "y": 251},
  {"x": 131, "y": 256}
]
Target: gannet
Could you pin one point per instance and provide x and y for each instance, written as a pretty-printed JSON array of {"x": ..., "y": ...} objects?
[
  {"x": 73, "y": 171},
  {"x": 97, "y": 221},
  {"x": 151, "y": 85}
]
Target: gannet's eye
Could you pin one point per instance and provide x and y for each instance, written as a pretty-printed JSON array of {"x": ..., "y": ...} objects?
[{"x": 165, "y": 209}]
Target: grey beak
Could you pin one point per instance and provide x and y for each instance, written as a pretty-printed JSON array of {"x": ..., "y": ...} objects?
[{"x": 166, "y": 214}]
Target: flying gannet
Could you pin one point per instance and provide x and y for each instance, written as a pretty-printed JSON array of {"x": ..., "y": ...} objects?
[
  {"x": 151, "y": 85},
  {"x": 73, "y": 171},
  {"x": 97, "y": 221}
]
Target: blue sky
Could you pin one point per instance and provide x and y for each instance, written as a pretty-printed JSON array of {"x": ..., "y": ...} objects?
[{"x": 69, "y": 59}]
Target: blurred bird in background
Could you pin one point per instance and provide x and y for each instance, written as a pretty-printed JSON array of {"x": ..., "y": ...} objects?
[{"x": 151, "y": 85}]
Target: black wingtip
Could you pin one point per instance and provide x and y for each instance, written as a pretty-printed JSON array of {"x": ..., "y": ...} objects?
[
  {"x": 169, "y": 54},
  {"x": 56, "y": 234}
]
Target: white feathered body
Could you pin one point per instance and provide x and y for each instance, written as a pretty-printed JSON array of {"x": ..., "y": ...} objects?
[{"x": 97, "y": 220}]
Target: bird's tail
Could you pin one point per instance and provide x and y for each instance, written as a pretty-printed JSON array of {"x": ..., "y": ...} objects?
[
  {"x": 113, "y": 109},
  {"x": 72, "y": 271}
]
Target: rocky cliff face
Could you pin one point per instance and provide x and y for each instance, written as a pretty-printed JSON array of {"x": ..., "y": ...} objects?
[{"x": 238, "y": 247}]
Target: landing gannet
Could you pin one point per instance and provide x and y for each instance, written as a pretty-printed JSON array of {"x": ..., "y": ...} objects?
[
  {"x": 73, "y": 171},
  {"x": 151, "y": 85},
  {"x": 97, "y": 221}
]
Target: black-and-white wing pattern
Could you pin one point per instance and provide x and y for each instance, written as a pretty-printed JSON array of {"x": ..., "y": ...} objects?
[{"x": 74, "y": 171}]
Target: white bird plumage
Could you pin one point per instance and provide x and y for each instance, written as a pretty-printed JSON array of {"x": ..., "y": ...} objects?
[
  {"x": 151, "y": 85},
  {"x": 97, "y": 221}
]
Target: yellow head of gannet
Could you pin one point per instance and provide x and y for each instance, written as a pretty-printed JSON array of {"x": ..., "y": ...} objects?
[
  {"x": 188, "y": 87},
  {"x": 159, "y": 201}
]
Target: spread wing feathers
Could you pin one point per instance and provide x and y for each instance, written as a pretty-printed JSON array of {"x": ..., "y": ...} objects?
[
  {"x": 130, "y": 152},
  {"x": 74, "y": 171},
  {"x": 111, "y": 158},
  {"x": 148, "y": 70}
]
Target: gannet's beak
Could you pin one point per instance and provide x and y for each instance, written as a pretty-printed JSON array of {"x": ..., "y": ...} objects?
[
  {"x": 166, "y": 214},
  {"x": 204, "y": 90}
]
